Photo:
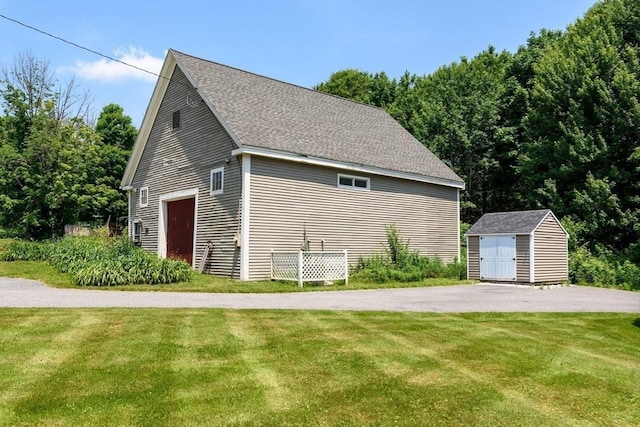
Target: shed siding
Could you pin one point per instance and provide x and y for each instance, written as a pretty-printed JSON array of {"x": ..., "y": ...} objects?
[
  {"x": 473, "y": 257},
  {"x": 288, "y": 197},
  {"x": 181, "y": 159},
  {"x": 550, "y": 248},
  {"x": 522, "y": 258}
]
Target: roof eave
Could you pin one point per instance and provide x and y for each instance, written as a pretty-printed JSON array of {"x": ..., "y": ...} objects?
[
  {"x": 554, "y": 217},
  {"x": 170, "y": 62},
  {"x": 148, "y": 120},
  {"x": 300, "y": 158}
]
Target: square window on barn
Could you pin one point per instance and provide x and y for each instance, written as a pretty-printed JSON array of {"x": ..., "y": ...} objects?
[
  {"x": 144, "y": 197},
  {"x": 353, "y": 182},
  {"x": 176, "y": 120},
  {"x": 216, "y": 181}
]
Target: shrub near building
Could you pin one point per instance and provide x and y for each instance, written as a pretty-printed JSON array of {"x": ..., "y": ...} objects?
[
  {"x": 401, "y": 264},
  {"x": 93, "y": 261}
]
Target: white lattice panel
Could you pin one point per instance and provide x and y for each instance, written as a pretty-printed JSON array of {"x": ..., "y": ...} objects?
[
  {"x": 284, "y": 265},
  {"x": 316, "y": 266}
]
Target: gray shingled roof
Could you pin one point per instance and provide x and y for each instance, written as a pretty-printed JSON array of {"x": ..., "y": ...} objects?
[
  {"x": 270, "y": 114},
  {"x": 519, "y": 222}
]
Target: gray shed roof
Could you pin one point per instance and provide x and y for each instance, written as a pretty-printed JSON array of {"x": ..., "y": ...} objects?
[
  {"x": 269, "y": 114},
  {"x": 519, "y": 222}
]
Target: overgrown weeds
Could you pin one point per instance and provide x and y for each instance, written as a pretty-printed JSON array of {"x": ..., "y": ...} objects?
[
  {"x": 400, "y": 264},
  {"x": 100, "y": 261},
  {"x": 603, "y": 270}
]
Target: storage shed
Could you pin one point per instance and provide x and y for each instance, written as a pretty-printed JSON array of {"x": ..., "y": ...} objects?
[{"x": 524, "y": 247}]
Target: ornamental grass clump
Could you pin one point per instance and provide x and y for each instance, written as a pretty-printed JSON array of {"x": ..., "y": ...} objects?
[{"x": 101, "y": 261}]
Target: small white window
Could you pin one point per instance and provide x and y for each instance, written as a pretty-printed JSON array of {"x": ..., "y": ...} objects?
[
  {"x": 349, "y": 181},
  {"x": 144, "y": 197},
  {"x": 216, "y": 181}
]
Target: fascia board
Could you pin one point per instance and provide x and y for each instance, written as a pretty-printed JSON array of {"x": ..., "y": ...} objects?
[
  {"x": 152, "y": 111},
  {"x": 207, "y": 101},
  {"x": 265, "y": 152},
  {"x": 149, "y": 118},
  {"x": 545, "y": 217},
  {"x": 496, "y": 234}
]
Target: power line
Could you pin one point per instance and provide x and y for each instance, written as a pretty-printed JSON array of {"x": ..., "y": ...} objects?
[{"x": 84, "y": 48}]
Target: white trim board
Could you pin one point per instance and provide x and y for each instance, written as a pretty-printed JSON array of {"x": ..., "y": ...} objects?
[
  {"x": 147, "y": 122},
  {"x": 162, "y": 219},
  {"x": 282, "y": 155},
  {"x": 245, "y": 217}
]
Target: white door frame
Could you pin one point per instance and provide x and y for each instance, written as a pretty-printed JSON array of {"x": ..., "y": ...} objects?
[{"x": 162, "y": 219}]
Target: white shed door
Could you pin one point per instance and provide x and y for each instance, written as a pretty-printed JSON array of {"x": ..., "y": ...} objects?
[{"x": 498, "y": 257}]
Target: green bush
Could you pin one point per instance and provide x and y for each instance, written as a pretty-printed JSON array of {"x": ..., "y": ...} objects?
[
  {"x": 456, "y": 270},
  {"x": 101, "y": 261},
  {"x": 397, "y": 249},
  {"x": 70, "y": 254},
  {"x": 628, "y": 275},
  {"x": 603, "y": 270},
  {"x": 400, "y": 264},
  {"x": 22, "y": 250}
]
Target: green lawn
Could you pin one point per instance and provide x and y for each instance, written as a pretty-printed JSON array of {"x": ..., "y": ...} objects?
[
  {"x": 42, "y": 271},
  {"x": 227, "y": 367}
]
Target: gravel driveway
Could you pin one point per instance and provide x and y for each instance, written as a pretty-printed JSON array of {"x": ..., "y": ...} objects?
[{"x": 463, "y": 298}]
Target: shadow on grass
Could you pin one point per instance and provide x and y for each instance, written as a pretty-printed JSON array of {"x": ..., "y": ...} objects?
[{"x": 636, "y": 322}]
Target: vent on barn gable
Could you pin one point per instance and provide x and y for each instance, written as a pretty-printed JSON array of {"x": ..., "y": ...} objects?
[{"x": 176, "y": 119}]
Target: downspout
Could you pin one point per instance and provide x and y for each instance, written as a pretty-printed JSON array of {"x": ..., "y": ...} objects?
[
  {"x": 458, "y": 222},
  {"x": 129, "y": 228}
]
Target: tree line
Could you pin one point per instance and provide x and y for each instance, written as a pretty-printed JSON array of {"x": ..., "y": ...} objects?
[
  {"x": 554, "y": 125},
  {"x": 57, "y": 168}
]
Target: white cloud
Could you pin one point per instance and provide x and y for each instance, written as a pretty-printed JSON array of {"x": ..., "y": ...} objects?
[{"x": 112, "y": 71}]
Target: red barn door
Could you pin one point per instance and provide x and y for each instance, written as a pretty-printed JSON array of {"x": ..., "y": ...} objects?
[{"x": 180, "y": 219}]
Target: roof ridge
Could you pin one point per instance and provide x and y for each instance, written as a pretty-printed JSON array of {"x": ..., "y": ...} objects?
[
  {"x": 277, "y": 80},
  {"x": 522, "y": 211}
]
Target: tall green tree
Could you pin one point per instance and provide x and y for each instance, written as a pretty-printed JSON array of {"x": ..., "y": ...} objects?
[
  {"x": 374, "y": 89},
  {"x": 583, "y": 127},
  {"x": 507, "y": 191},
  {"x": 55, "y": 168},
  {"x": 115, "y": 128},
  {"x": 460, "y": 121}
]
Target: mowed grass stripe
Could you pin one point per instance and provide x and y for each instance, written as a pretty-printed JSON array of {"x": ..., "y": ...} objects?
[
  {"x": 250, "y": 332},
  {"x": 116, "y": 376},
  {"x": 524, "y": 367},
  {"x": 483, "y": 393},
  {"x": 39, "y": 348},
  {"x": 253, "y": 367}
]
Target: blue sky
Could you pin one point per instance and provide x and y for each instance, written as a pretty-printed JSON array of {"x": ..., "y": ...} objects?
[{"x": 300, "y": 42}]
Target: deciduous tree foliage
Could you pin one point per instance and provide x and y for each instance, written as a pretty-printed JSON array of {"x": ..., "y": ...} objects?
[
  {"x": 374, "y": 89},
  {"x": 460, "y": 121},
  {"x": 115, "y": 128},
  {"x": 556, "y": 124},
  {"x": 584, "y": 124},
  {"x": 56, "y": 169}
]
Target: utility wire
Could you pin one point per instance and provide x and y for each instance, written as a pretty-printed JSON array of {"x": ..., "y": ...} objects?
[{"x": 84, "y": 48}]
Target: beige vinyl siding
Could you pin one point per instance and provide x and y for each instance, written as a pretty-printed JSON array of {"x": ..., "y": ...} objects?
[
  {"x": 550, "y": 248},
  {"x": 289, "y": 197},
  {"x": 181, "y": 159},
  {"x": 523, "y": 259},
  {"x": 473, "y": 257}
]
